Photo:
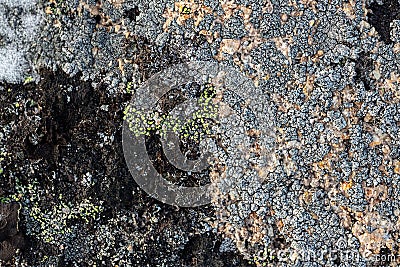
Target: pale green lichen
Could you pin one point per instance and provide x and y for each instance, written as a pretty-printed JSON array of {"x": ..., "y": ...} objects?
[
  {"x": 5, "y": 200},
  {"x": 142, "y": 123},
  {"x": 28, "y": 80},
  {"x": 50, "y": 224},
  {"x": 53, "y": 222},
  {"x": 128, "y": 87},
  {"x": 265, "y": 257}
]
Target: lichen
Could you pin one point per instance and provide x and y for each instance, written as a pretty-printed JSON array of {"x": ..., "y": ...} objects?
[{"x": 143, "y": 123}]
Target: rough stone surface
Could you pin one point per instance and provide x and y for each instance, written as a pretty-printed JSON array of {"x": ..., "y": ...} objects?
[{"x": 326, "y": 76}]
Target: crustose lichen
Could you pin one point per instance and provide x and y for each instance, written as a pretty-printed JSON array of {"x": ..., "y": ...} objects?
[{"x": 143, "y": 123}]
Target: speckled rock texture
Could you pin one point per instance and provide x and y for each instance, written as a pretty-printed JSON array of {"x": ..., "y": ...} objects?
[{"x": 323, "y": 190}]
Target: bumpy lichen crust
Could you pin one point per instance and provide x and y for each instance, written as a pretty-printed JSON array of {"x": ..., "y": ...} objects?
[
  {"x": 332, "y": 146},
  {"x": 333, "y": 89}
]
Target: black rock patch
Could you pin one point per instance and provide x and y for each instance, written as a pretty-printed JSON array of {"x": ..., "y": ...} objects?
[{"x": 382, "y": 15}]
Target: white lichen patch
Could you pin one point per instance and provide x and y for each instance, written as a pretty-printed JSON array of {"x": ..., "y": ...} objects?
[{"x": 17, "y": 35}]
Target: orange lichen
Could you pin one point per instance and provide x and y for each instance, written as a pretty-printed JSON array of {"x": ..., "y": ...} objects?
[
  {"x": 396, "y": 165},
  {"x": 349, "y": 9},
  {"x": 116, "y": 3},
  {"x": 376, "y": 194},
  {"x": 307, "y": 197},
  {"x": 309, "y": 85},
  {"x": 48, "y": 10},
  {"x": 280, "y": 225},
  {"x": 375, "y": 143},
  {"x": 347, "y": 185},
  {"x": 368, "y": 117}
]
